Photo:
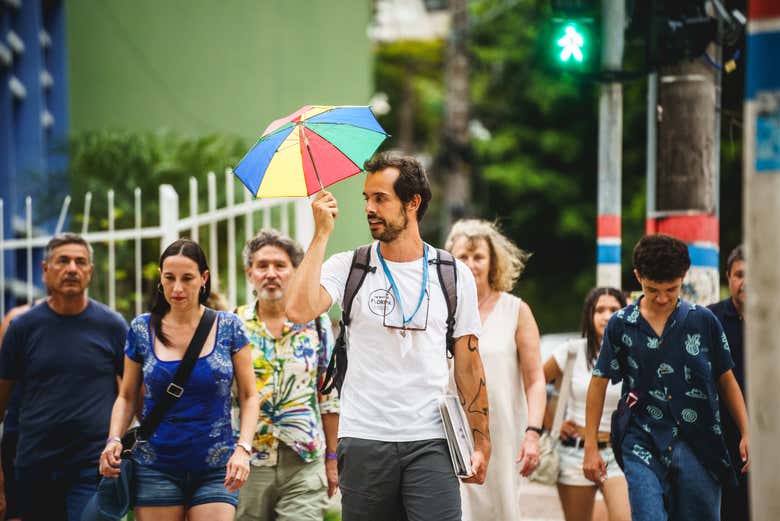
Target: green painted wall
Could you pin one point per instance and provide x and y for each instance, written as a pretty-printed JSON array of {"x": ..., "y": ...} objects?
[{"x": 201, "y": 67}]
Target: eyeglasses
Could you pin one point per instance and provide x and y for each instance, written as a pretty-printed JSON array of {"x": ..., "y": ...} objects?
[{"x": 392, "y": 316}]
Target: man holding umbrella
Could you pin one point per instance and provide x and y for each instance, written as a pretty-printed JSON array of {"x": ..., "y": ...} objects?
[{"x": 392, "y": 455}]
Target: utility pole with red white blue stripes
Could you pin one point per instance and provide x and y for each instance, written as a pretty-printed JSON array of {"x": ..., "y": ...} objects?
[{"x": 762, "y": 221}]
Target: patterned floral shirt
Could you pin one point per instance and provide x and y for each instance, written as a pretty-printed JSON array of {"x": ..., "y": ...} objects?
[
  {"x": 289, "y": 370},
  {"x": 675, "y": 376}
]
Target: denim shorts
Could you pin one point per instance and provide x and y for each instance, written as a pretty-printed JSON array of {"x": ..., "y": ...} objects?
[
  {"x": 571, "y": 466},
  {"x": 157, "y": 488}
]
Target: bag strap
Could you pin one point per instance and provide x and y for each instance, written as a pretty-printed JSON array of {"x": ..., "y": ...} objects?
[
  {"x": 175, "y": 389},
  {"x": 320, "y": 331},
  {"x": 337, "y": 367},
  {"x": 357, "y": 274},
  {"x": 563, "y": 395},
  {"x": 448, "y": 280}
]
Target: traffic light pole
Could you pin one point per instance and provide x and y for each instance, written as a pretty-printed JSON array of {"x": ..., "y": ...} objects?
[
  {"x": 610, "y": 148},
  {"x": 762, "y": 216},
  {"x": 687, "y": 160}
]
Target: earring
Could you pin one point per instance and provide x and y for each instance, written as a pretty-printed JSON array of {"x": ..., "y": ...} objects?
[
  {"x": 203, "y": 289},
  {"x": 159, "y": 288}
]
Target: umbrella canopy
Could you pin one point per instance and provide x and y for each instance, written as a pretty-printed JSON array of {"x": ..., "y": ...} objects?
[{"x": 310, "y": 149}]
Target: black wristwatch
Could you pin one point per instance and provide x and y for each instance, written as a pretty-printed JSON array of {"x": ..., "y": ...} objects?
[{"x": 537, "y": 430}]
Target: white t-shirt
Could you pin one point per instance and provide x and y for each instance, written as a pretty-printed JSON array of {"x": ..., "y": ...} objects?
[
  {"x": 393, "y": 382},
  {"x": 580, "y": 379}
]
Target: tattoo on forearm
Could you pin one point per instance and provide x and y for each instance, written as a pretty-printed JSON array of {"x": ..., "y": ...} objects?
[
  {"x": 477, "y": 432},
  {"x": 479, "y": 408}
]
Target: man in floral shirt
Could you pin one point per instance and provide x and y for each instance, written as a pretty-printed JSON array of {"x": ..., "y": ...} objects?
[
  {"x": 293, "y": 451},
  {"x": 673, "y": 357}
]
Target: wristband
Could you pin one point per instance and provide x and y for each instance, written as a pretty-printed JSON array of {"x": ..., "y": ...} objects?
[
  {"x": 113, "y": 438},
  {"x": 537, "y": 430},
  {"x": 330, "y": 455},
  {"x": 244, "y": 445}
]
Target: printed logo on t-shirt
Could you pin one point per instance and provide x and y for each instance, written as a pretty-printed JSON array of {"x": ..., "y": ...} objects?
[{"x": 381, "y": 302}]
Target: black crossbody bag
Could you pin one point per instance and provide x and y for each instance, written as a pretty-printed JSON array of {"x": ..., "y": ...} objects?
[
  {"x": 113, "y": 497},
  {"x": 174, "y": 390}
]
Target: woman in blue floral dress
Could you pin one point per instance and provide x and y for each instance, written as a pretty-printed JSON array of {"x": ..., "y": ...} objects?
[{"x": 191, "y": 467}]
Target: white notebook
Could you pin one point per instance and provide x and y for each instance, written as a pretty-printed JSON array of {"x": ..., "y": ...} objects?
[{"x": 456, "y": 428}]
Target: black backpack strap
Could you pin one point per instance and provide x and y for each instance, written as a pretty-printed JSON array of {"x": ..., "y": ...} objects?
[
  {"x": 361, "y": 266},
  {"x": 448, "y": 280},
  {"x": 176, "y": 387},
  {"x": 337, "y": 368},
  {"x": 320, "y": 332}
]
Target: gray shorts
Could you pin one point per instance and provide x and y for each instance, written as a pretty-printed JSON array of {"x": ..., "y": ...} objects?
[{"x": 391, "y": 481}]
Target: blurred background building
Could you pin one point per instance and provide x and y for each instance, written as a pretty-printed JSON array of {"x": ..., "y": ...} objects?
[{"x": 192, "y": 67}]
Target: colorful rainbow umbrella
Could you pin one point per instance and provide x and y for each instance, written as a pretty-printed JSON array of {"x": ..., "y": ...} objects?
[{"x": 310, "y": 149}]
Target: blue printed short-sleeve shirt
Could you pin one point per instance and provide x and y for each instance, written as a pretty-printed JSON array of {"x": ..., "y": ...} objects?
[
  {"x": 675, "y": 375},
  {"x": 195, "y": 434}
]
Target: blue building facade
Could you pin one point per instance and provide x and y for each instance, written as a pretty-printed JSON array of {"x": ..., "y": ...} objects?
[{"x": 33, "y": 119}]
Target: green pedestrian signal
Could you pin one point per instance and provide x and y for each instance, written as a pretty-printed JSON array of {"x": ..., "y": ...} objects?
[{"x": 571, "y": 44}]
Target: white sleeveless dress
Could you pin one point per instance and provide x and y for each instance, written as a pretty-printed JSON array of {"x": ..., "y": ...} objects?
[{"x": 498, "y": 498}]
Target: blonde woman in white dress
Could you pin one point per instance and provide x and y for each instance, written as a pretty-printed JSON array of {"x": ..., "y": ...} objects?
[{"x": 509, "y": 346}]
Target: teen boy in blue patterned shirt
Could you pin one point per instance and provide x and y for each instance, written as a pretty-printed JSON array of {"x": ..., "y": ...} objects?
[{"x": 675, "y": 358}]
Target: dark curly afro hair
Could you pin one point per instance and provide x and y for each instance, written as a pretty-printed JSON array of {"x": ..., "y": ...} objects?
[{"x": 661, "y": 258}]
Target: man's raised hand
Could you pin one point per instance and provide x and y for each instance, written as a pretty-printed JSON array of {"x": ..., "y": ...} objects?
[{"x": 325, "y": 209}]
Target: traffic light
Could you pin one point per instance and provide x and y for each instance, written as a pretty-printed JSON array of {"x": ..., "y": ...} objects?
[
  {"x": 571, "y": 38},
  {"x": 572, "y": 44},
  {"x": 672, "y": 30}
]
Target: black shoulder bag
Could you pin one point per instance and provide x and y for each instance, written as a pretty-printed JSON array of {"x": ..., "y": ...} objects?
[{"x": 113, "y": 497}]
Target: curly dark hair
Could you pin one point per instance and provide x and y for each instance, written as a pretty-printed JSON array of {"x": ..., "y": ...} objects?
[
  {"x": 411, "y": 182},
  {"x": 160, "y": 306},
  {"x": 588, "y": 309},
  {"x": 661, "y": 258}
]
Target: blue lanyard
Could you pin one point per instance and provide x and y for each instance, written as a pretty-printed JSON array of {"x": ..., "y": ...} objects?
[{"x": 393, "y": 286}]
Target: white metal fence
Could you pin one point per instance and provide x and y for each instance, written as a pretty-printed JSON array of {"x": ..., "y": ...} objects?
[{"x": 271, "y": 212}]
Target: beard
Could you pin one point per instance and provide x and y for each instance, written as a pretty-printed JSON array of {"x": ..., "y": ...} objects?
[
  {"x": 390, "y": 231},
  {"x": 271, "y": 294}
]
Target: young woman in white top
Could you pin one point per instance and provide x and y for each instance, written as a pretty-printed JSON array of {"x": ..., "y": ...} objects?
[
  {"x": 576, "y": 492},
  {"x": 509, "y": 347}
]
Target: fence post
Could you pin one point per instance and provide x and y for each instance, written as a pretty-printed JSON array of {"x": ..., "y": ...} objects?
[
  {"x": 169, "y": 215},
  {"x": 231, "y": 239},
  {"x": 111, "y": 253},
  {"x": 211, "y": 181},
  {"x": 194, "y": 209},
  {"x": 249, "y": 232},
  {"x": 87, "y": 207},
  {"x": 304, "y": 222},
  {"x": 138, "y": 259}
]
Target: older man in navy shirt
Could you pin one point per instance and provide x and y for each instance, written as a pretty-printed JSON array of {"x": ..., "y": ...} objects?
[
  {"x": 735, "y": 505},
  {"x": 673, "y": 357}
]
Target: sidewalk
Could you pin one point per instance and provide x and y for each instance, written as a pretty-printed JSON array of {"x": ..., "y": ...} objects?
[{"x": 539, "y": 503}]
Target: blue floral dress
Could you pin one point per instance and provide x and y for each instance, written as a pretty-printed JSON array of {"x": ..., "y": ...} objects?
[{"x": 195, "y": 435}]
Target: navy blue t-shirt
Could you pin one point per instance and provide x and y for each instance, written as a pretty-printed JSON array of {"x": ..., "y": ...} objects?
[{"x": 67, "y": 365}]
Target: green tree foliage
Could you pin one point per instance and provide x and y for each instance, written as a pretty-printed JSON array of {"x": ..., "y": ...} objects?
[
  {"x": 411, "y": 74},
  {"x": 123, "y": 161}
]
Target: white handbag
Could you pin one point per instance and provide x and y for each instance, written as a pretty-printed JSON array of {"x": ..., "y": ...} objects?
[{"x": 547, "y": 471}]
